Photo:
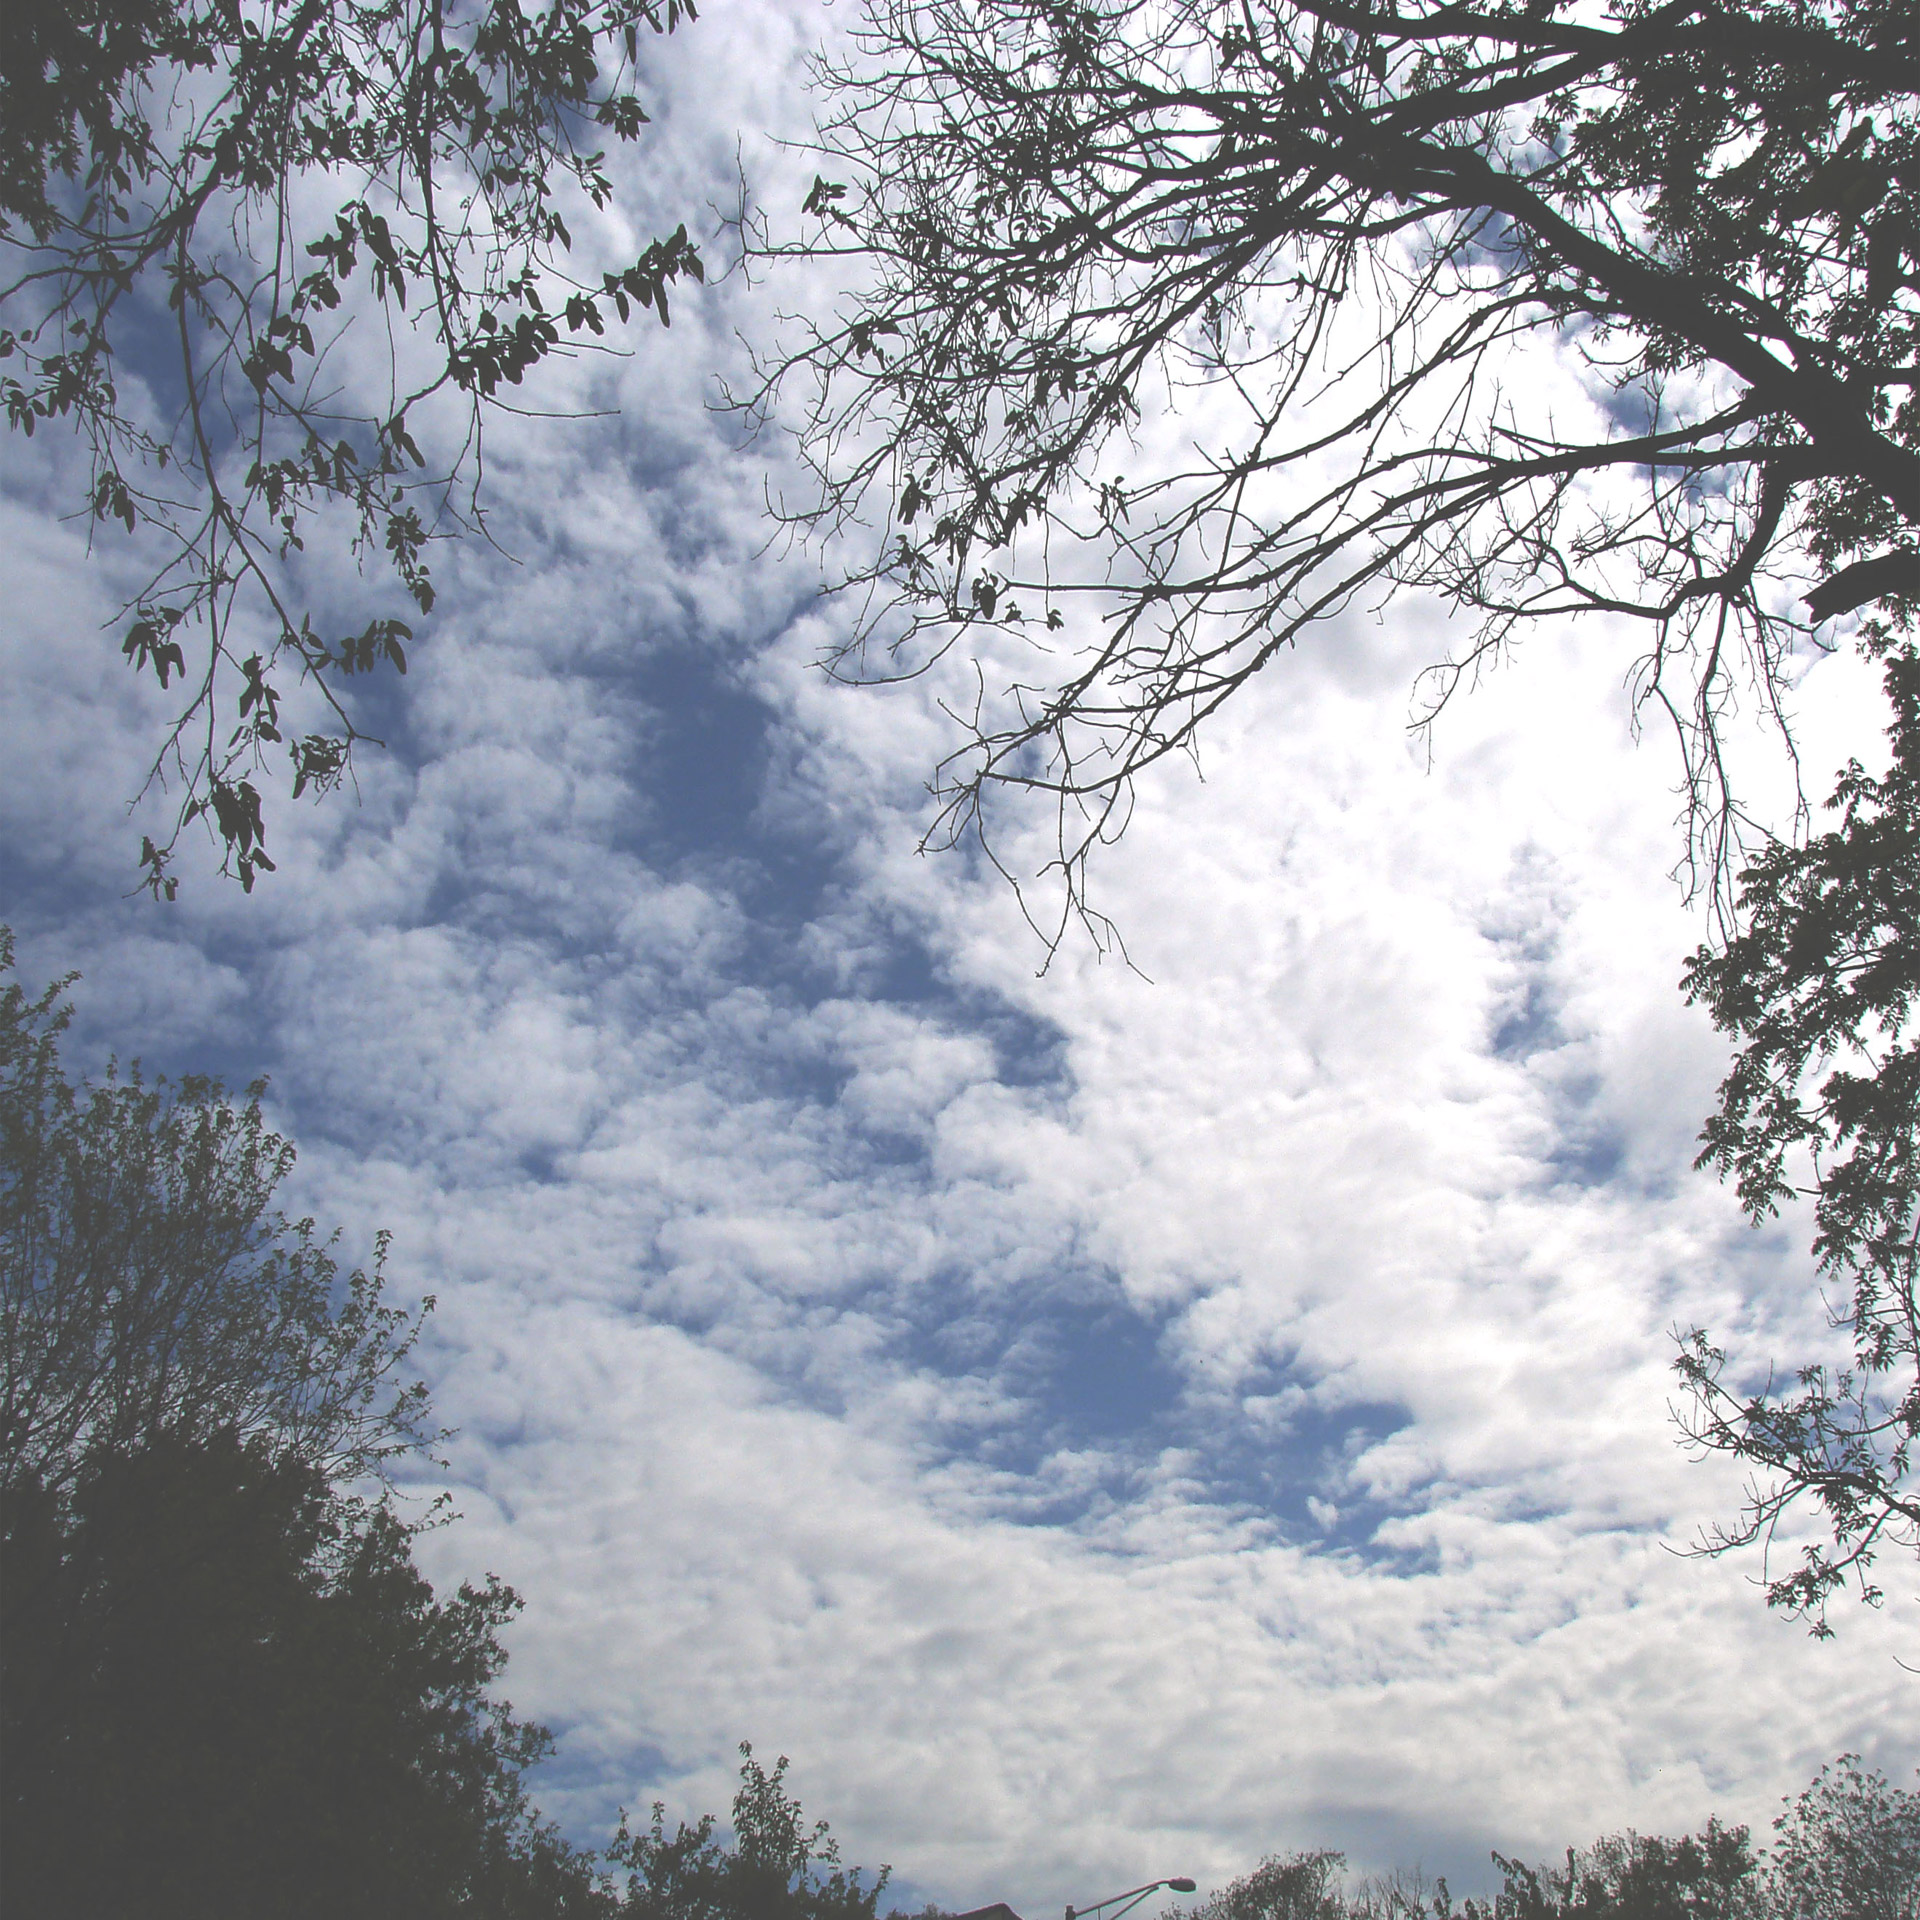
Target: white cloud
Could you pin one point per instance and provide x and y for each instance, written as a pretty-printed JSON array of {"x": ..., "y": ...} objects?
[{"x": 1099, "y": 1425}]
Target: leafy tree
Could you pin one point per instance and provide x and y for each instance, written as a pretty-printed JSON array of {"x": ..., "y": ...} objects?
[
  {"x": 1848, "y": 1849},
  {"x": 1821, "y": 991},
  {"x": 1714, "y": 1875},
  {"x": 147, "y": 1288},
  {"x": 225, "y": 1688},
  {"x": 1344, "y": 237},
  {"x": 1710, "y": 1876},
  {"x": 227, "y": 1693},
  {"x": 1295, "y": 1886},
  {"x": 205, "y": 196},
  {"x": 778, "y": 1867}
]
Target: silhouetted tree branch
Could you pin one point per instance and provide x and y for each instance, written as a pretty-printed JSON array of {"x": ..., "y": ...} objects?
[
  {"x": 1546, "y": 312},
  {"x": 198, "y": 199},
  {"x": 1820, "y": 992}
]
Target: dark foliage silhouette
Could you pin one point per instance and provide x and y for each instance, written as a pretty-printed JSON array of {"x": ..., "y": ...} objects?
[
  {"x": 1548, "y": 311},
  {"x": 249, "y": 254}
]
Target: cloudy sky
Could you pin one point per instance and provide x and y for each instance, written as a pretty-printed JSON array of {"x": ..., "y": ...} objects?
[{"x": 1101, "y": 1422}]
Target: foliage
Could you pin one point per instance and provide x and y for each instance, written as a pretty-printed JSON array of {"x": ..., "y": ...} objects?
[
  {"x": 1848, "y": 1849},
  {"x": 146, "y": 1288},
  {"x": 1821, "y": 991},
  {"x": 225, "y": 1692},
  {"x": 778, "y": 1868},
  {"x": 1296, "y": 1886},
  {"x": 225, "y": 1688},
  {"x": 198, "y": 200},
  {"x": 1336, "y": 241},
  {"x": 1711, "y": 1876}
]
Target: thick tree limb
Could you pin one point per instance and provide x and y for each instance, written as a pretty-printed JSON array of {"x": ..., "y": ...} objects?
[{"x": 1865, "y": 581}]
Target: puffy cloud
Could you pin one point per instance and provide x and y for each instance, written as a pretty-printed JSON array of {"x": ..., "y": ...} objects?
[{"x": 1100, "y": 1420}]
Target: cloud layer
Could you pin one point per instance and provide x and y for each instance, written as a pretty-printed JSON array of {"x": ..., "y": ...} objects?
[{"x": 1102, "y": 1421}]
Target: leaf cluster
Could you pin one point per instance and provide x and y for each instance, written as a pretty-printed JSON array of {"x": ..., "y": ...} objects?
[
  {"x": 148, "y": 1288},
  {"x": 1820, "y": 990},
  {"x": 160, "y": 165},
  {"x": 777, "y": 1867}
]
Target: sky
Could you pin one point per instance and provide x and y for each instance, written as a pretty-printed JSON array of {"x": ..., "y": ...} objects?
[{"x": 1102, "y": 1421}]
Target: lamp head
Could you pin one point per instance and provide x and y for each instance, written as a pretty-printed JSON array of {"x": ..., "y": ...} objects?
[{"x": 1182, "y": 1885}]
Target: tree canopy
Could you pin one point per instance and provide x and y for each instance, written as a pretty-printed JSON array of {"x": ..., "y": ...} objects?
[
  {"x": 225, "y": 1688},
  {"x": 1547, "y": 310},
  {"x": 1821, "y": 992},
  {"x": 226, "y": 1693},
  {"x": 149, "y": 1288},
  {"x": 777, "y": 1867},
  {"x": 196, "y": 201},
  {"x": 1848, "y": 1848}
]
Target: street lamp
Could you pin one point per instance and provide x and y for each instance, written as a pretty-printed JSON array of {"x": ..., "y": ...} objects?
[{"x": 1124, "y": 1903}]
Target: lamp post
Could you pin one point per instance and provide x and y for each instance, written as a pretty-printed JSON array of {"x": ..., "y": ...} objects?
[{"x": 1124, "y": 1903}]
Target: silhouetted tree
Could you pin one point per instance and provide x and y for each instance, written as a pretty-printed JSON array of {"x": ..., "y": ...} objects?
[
  {"x": 1848, "y": 1849},
  {"x": 196, "y": 200},
  {"x": 1546, "y": 310},
  {"x": 226, "y": 1693},
  {"x": 1295, "y": 1886},
  {"x": 1821, "y": 992},
  {"x": 147, "y": 1288},
  {"x": 225, "y": 1688},
  {"x": 1710, "y": 1876},
  {"x": 1319, "y": 232},
  {"x": 777, "y": 1868}
]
